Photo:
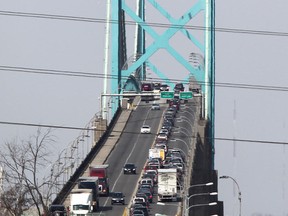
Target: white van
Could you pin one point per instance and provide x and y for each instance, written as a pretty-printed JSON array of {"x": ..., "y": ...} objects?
[{"x": 147, "y": 181}]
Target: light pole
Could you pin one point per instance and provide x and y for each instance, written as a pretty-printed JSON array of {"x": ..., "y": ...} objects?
[
  {"x": 192, "y": 206},
  {"x": 201, "y": 194},
  {"x": 185, "y": 119},
  {"x": 181, "y": 140},
  {"x": 193, "y": 186},
  {"x": 199, "y": 185},
  {"x": 200, "y": 205},
  {"x": 239, "y": 192}
]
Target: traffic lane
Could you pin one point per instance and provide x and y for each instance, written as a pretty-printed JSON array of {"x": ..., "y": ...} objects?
[
  {"x": 169, "y": 207},
  {"x": 126, "y": 143},
  {"x": 184, "y": 143},
  {"x": 132, "y": 147},
  {"x": 121, "y": 152}
]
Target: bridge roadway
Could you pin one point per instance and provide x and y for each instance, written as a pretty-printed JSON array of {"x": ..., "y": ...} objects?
[{"x": 133, "y": 147}]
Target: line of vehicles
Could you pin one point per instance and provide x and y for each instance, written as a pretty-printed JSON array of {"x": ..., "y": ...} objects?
[
  {"x": 193, "y": 85},
  {"x": 84, "y": 198},
  {"x": 162, "y": 175},
  {"x": 163, "y": 172},
  {"x": 157, "y": 86}
]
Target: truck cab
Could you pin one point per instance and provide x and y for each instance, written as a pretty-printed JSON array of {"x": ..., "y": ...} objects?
[
  {"x": 81, "y": 201},
  {"x": 101, "y": 171}
]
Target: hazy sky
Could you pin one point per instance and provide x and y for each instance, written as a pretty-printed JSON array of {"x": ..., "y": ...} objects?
[{"x": 256, "y": 59}]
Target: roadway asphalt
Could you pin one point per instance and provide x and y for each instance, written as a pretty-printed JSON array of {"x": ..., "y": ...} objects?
[{"x": 133, "y": 147}]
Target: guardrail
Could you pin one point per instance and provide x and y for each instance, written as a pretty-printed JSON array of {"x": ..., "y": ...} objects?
[{"x": 85, "y": 163}]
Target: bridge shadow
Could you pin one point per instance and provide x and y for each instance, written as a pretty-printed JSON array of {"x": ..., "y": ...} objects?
[{"x": 105, "y": 208}]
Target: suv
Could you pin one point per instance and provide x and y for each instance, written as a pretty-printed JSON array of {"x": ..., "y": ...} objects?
[
  {"x": 117, "y": 197},
  {"x": 57, "y": 210},
  {"x": 179, "y": 87}
]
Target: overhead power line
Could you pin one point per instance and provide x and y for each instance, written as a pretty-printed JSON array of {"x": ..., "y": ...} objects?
[
  {"x": 41, "y": 71},
  {"x": 160, "y": 25},
  {"x": 93, "y": 129}
]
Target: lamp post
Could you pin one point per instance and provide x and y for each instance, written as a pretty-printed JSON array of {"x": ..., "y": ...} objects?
[
  {"x": 239, "y": 192},
  {"x": 193, "y": 186},
  {"x": 203, "y": 184},
  {"x": 201, "y": 194},
  {"x": 185, "y": 119},
  {"x": 180, "y": 130},
  {"x": 200, "y": 205},
  {"x": 181, "y": 140},
  {"x": 192, "y": 206}
]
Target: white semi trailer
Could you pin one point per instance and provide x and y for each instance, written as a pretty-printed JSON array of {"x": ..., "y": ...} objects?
[{"x": 167, "y": 184}]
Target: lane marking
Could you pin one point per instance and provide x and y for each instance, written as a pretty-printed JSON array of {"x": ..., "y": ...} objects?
[{"x": 134, "y": 146}]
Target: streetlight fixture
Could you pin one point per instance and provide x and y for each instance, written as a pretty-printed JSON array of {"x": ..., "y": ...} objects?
[
  {"x": 201, "y": 194},
  {"x": 206, "y": 204},
  {"x": 181, "y": 140},
  {"x": 185, "y": 119},
  {"x": 239, "y": 192},
  {"x": 199, "y": 185},
  {"x": 199, "y": 205},
  {"x": 192, "y": 206}
]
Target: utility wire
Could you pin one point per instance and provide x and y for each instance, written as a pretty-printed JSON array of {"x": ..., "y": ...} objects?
[
  {"x": 161, "y": 25},
  {"x": 101, "y": 76},
  {"x": 127, "y": 132}
]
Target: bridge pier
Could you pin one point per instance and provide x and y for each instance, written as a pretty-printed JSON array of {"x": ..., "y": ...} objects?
[{"x": 100, "y": 126}]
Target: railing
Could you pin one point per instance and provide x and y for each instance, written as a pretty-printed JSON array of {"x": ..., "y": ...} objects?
[{"x": 85, "y": 163}]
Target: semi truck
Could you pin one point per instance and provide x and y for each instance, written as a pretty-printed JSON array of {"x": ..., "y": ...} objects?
[
  {"x": 167, "y": 184},
  {"x": 93, "y": 184},
  {"x": 81, "y": 202},
  {"x": 101, "y": 171}
]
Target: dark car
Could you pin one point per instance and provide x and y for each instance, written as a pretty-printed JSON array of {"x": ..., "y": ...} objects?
[
  {"x": 147, "y": 87},
  {"x": 137, "y": 213},
  {"x": 141, "y": 208},
  {"x": 147, "y": 186},
  {"x": 129, "y": 168},
  {"x": 179, "y": 87},
  {"x": 139, "y": 194},
  {"x": 117, "y": 198},
  {"x": 58, "y": 210},
  {"x": 147, "y": 192}
]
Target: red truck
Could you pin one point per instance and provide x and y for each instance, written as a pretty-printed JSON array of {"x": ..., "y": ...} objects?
[{"x": 101, "y": 171}]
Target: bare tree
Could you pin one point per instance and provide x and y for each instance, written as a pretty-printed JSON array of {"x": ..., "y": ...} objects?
[{"x": 25, "y": 186}]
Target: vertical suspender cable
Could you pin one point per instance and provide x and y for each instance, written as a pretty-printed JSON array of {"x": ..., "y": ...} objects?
[{"x": 106, "y": 64}]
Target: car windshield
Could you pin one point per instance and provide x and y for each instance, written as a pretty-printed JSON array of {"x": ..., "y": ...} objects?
[
  {"x": 80, "y": 207},
  {"x": 145, "y": 126},
  {"x": 117, "y": 195},
  {"x": 129, "y": 166}
]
